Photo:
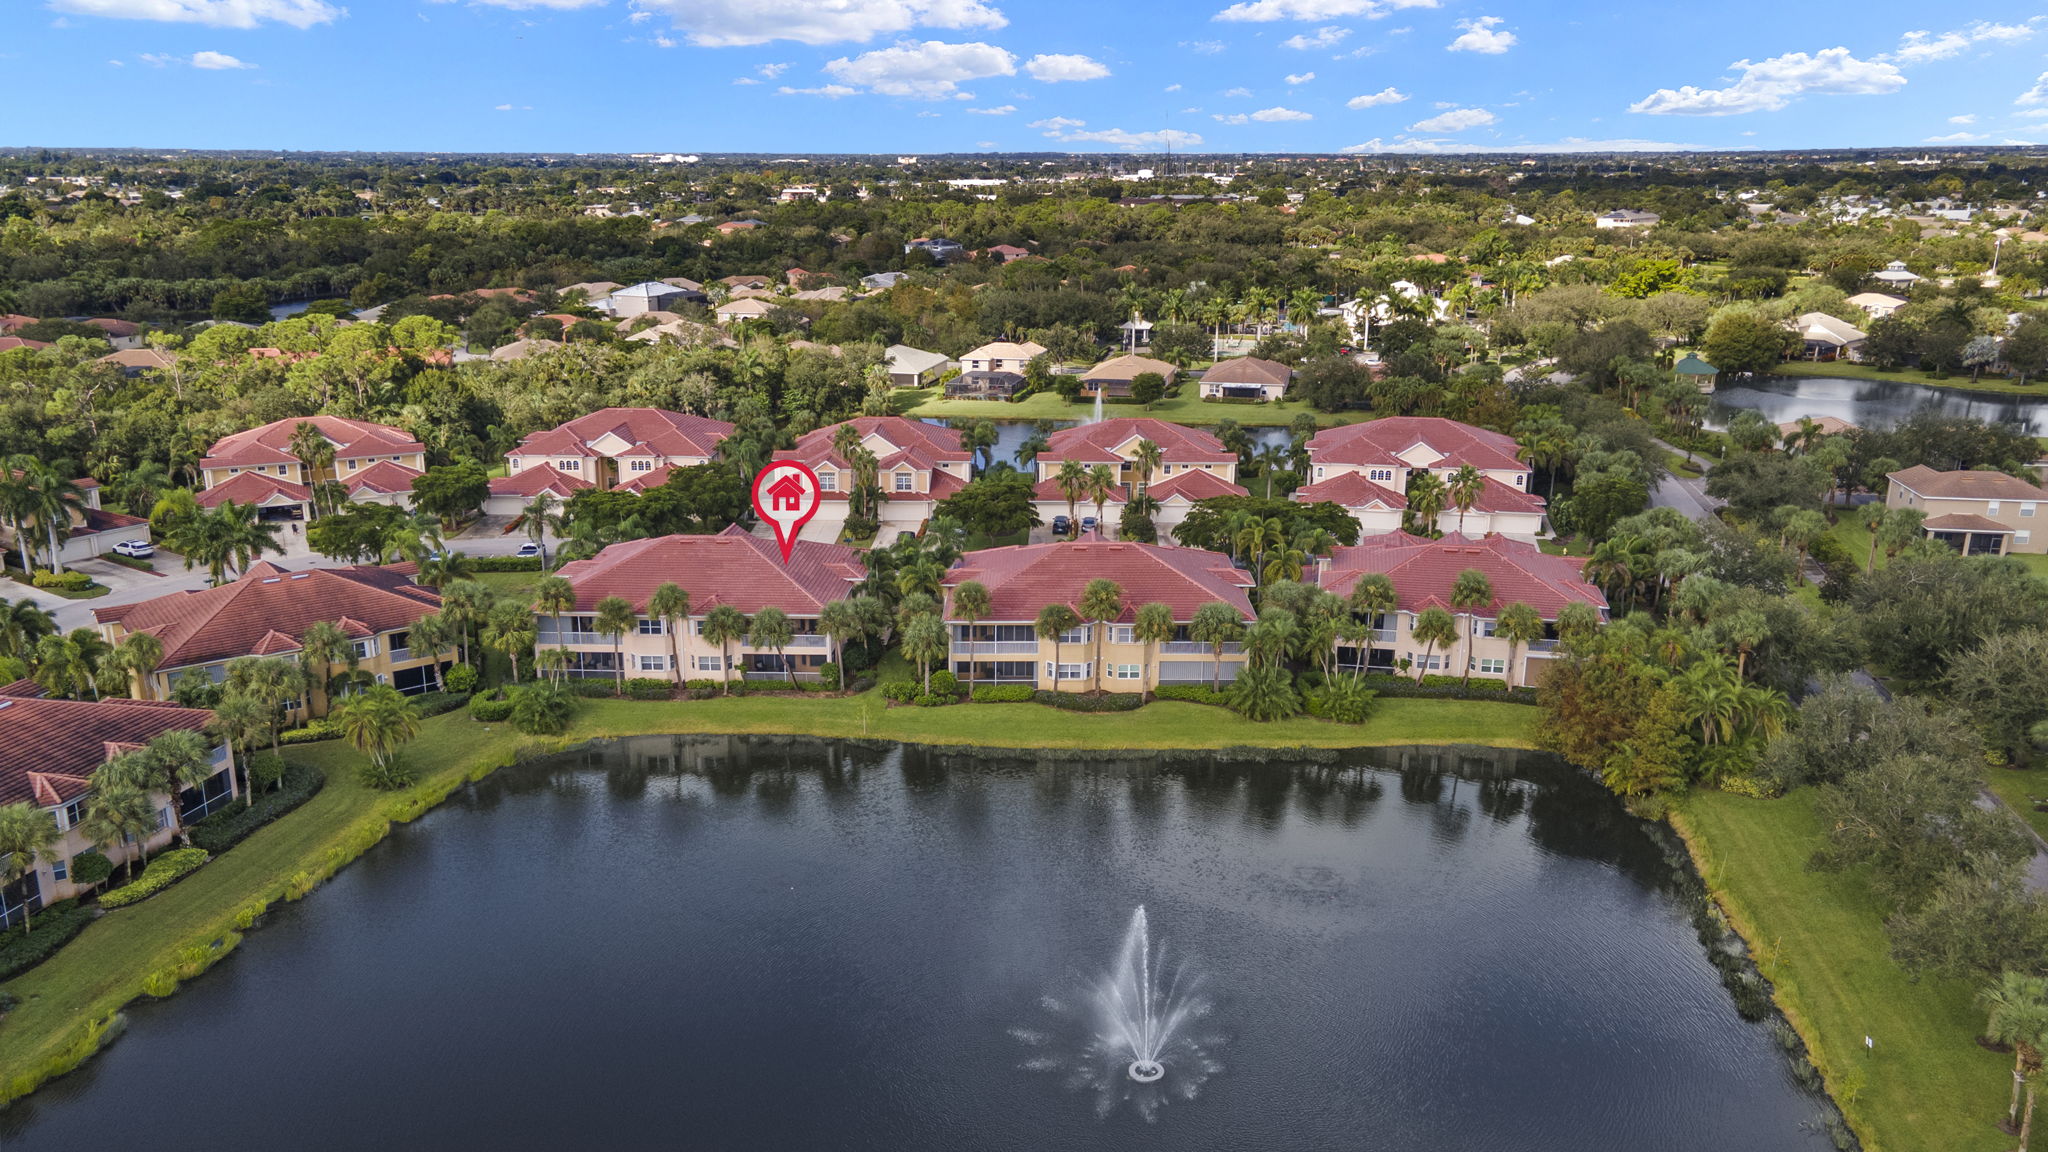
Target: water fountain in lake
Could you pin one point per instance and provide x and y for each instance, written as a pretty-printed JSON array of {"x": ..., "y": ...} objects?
[{"x": 1131, "y": 1035}]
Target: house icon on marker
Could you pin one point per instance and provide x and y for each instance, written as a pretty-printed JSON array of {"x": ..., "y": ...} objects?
[{"x": 787, "y": 494}]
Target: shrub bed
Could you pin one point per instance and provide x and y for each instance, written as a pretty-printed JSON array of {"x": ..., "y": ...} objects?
[
  {"x": 493, "y": 708},
  {"x": 435, "y": 703},
  {"x": 1102, "y": 702},
  {"x": 160, "y": 874},
  {"x": 313, "y": 732},
  {"x": 1004, "y": 694},
  {"x": 233, "y": 824},
  {"x": 1192, "y": 693},
  {"x": 1447, "y": 687},
  {"x": 505, "y": 563},
  {"x": 49, "y": 930},
  {"x": 127, "y": 561},
  {"x": 649, "y": 688},
  {"x": 66, "y": 581}
]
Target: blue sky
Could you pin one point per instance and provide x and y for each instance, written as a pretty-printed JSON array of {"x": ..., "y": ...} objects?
[{"x": 965, "y": 75}]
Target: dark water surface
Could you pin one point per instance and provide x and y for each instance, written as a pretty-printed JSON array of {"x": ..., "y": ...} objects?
[
  {"x": 733, "y": 943},
  {"x": 1872, "y": 403}
]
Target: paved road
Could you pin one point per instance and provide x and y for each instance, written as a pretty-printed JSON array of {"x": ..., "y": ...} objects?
[{"x": 1687, "y": 495}]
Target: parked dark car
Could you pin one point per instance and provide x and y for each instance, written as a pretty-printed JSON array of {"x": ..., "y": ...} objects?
[{"x": 1060, "y": 525}]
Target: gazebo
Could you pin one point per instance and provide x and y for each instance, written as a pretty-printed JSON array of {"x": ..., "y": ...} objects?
[{"x": 1691, "y": 367}]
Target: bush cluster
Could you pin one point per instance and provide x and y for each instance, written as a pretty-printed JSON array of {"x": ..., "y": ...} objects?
[
  {"x": 650, "y": 688},
  {"x": 436, "y": 703},
  {"x": 160, "y": 874},
  {"x": 1099, "y": 702},
  {"x": 313, "y": 732},
  {"x": 505, "y": 563},
  {"x": 1192, "y": 693},
  {"x": 901, "y": 691},
  {"x": 490, "y": 707},
  {"x": 460, "y": 678},
  {"x": 945, "y": 684},
  {"x": 61, "y": 581},
  {"x": 1004, "y": 694},
  {"x": 1447, "y": 687},
  {"x": 229, "y": 826},
  {"x": 51, "y": 929}
]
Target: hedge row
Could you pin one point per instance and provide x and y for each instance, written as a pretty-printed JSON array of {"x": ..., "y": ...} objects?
[
  {"x": 312, "y": 732},
  {"x": 505, "y": 563},
  {"x": 1004, "y": 694},
  {"x": 1192, "y": 693},
  {"x": 1448, "y": 687},
  {"x": 231, "y": 825},
  {"x": 1086, "y": 702},
  {"x": 48, "y": 930},
  {"x": 161, "y": 873}
]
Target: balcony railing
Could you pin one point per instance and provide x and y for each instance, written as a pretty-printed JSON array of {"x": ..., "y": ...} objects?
[
  {"x": 995, "y": 647},
  {"x": 1192, "y": 648},
  {"x": 1536, "y": 646}
]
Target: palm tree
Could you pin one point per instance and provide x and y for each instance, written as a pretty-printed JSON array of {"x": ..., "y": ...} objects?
[
  {"x": 2019, "y": 1017},
  {"x": 615, "y": 618},
  {"x": 1152, "y": 626},
  {"x": 724, "y": 626},
  {"x": 1101, "y": 485},
  {"x": 26, "y": 832},
  {"x": 240, "y": 719},
  {"x": 971, "y": 606},
  {"x": 1038, "y": 441},
  {"x": 1711, "y": 691},
  {"x": 554, "y": 596},
  {"x": 1102, "y": 600},
  {"x": 1372, "y": 597},
  {"x": 1255, "y": 536},
  {"x": 175, "y": 761},
  {"x": 1072, "y": 480},
  {"x": 979, "y": 437},
  {"x": 1147, "y": 456},
  {"x": 315, "y": 453},
  {"x": 22, "y": 624},
  {"x": 508, "y": 630},
  {"x": 669, "y": 604},
  {"x": 1469, "y": 591},
  {"x": 1427, "y": 496},
  {"x": 540, "y": 516},
  {"x": 1271, "y": 458},
  {"x": 1054, "y": 621},
  {"x": 839, "y": 621},
  {"x": 377, "y": 722},
  {"x": 273, "y": 682},
  {"x": 771, "y": 629},
  {"x": 51, "y": 502},
  {"x": 137, "y": 656},
  {"x": 322, "y": 647},
  {"x": 1518, "y": 625},
  {"x": 1465, "y": 487},
  {"x": 61, "y": 668},
  {"x": 445, "y": 569},
  {"x": 1216, "y": 624},
  {"x": 924, "y": 640},
  {"x": 119, "y": 813},
  {"x": 17, "y": 502},
  {"x": 1436, "y": 628}
]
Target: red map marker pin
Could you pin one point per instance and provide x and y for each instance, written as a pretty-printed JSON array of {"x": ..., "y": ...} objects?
[{"x": 786, "y": 496}]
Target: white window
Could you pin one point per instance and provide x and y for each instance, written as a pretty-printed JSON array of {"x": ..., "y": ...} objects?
[
  {"x": 1484, "y": 627},
  {"x": 710, "y": 663},
  {"x": 1319, "y": 471},
  {"x": 1123, "y": 634},
  {"x": 1127, "y": 671},
  {"x": 2026, "y": 507},
  {"x": 903, "y": 481},
  {"x": 1380, "y": 475},
  {"x": 1067, "y": 671},
  {"x": 74, "y": 813},
  {"x": 569, "y": 465},
  {"x": 352, "y": 465},
  {"x": 1491, "y": 666},
  {"x": 647, "y": 627},
  {"x": 2022, "y": 537},
  {"x": 828, "y": 481},
  {"x": 643, "y": 465},
  {"x": 60, "y": 870},
  {"x": 163, "y": 816},
  {"x": 364, "y": 649},
  {"x": 1075, "y": 635},
  {"x": 1429, "y": 663},
  {"x": 654, "y": 663}
]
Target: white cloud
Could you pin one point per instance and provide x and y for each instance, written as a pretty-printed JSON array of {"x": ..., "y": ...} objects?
[
  {"x": 1003, "y": 110},
  {"x": 2011, "y": 143},
  {"x": 2035, "y": 113},
  {"x": 513, "y": 108},
  {"x": 738, "y": 79},
  {"x": 1054, "y": 125},
  {"x": 1266, "y": 11},
  {"x": 931, "y": 70},
  {"x": 1238, "y": 92},
  {"x": 1965, "y": 118},
  {"x": 1482, "y": 36},
  {"x": 1263, "y": 116},
  {"x": 1955, "y": 138},
  {"x": 525, "y": 5},
  {"x": 1328, "y": 36},
  {"x": 1924, "y": 47},
  {"x": 1387, "y": 95},
  {"x": 1302, "y": 78},
  {"x": 1456, "y": 120},
  {"x": 828, "y": 91},
  {"x": 1057, "y": 69},
  {"x": 1203, "y": 47},
  {"x": 1768, "y": 85},
  {"x": 217, "y": 61},
  {"x": 772, "y": 71},
  {"x": 218, "y": 13},
  {"x": 156, "y": 59},
  {"x": 734, "y": 23},
  {"x": 1173, "y": 87},
  {"x": 116, "y": 64},
  {"x": 1570, "y": 144},
  {"x": 2038, "y": 94},
  {"x": 639, "y": 17},
  {"x": 1068, "y": 131}
]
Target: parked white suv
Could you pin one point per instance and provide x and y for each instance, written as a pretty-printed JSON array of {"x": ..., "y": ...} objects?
[{"x": 135, "y": 549}]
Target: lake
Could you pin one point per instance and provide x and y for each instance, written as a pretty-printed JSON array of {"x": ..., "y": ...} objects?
[
  {"x": 1870, "y": 403},
  {"x": 761, "y": 943}
]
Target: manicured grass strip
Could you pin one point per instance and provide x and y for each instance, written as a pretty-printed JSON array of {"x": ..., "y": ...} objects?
[
  {"x": 1819, "y": 937},
  {"x": 72, "y": 1000},
  {"x": 2021, "y": 790},
  {"x": 2035, "y": 385}
]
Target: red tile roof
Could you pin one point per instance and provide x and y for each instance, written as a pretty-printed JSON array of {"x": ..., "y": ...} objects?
[
  {"x": 254, "y": 488},
  {"x": 531, "y": 482},
  {"x": 1194, "y": 485},
  {"x": 1023, "y": 579},
  {"x": 1423, "y": 571},
  {"x": 383, "y": 476},
  {"x": 115, "y": 328},
  {"x": 271, "y": 443},
  {"x": 732, "y": 567},
  {"x": 652, "y": 478},
  {"x": 1383, "y": 441},
  {"x": 651, "y": 431},
  {"x": 930, "y": 443},
  {"x": 238, "y": 618},
  {"x": 1351, "y": 490},
  {"x": 49, "y": 748},
  {"x": 10, "y": 343},
  {"x": 1048, "y": 489},
  {"x": 1094, "y": 443}
]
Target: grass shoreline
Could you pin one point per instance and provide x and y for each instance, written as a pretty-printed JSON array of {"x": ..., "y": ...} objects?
[
  {"x": 70, "y": 1006},
  {"x": 1847, "y": 370}
]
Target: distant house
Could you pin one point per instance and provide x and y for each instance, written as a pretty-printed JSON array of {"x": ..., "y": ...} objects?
[
  {"x": 258, "y": 466},
  {"x": 746, "y": 308},
  {"x": 627, "y": 448},
  {"x": 692, "y": 291},
  {"x": 521, "y": 349},
  {"x": 733, "y": 283},
  {"x": 1366, "y": 469},
  {"x": 1247, "y": 378},
  {"x": 1896, "y": 275},
  {"x": 593, "y": 290},
  {"x": 1972, "y": 511},
  {"x": 124, "y": 335},
  {"x": 136, "y": 361},
  {"x": 941, "y": 250},
  {"x": 1702, "y": 374},
  {"x": 1001, "y": 356},
  {"x": 1188, "y": 459},
  {"x": 1824, "y": 337},
  {"x": 1178, "y": 496},
  {"x": 92, "y": 532},
  {"x": 1877, "y": 305},
  {"x": 1626, "y": 218},
  {"x": 883, "y": 281},
  {"x": 1004, "y": 253},
  {"x": 648, "y": 296},
  {"x": 912, "y": 367},
  {"x": 13, "y": 343},
  {"x": 1113, "y": 376},
  {"x": 916, "y": 466},
  {"x": 47, "y": 760},
  {"x": 732, "y": 226}
]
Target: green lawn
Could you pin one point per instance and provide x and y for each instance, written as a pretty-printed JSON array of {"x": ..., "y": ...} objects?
[
  {"x": 1187, "y": 408},
  {"x": 1854, "y": 537},
  {"x": 1819, "y": 937},
  {"x": 2037, "y": 385},
  {"x": 2021, "y": 789},
  {"x": 64, "y": 1001},
  {"x": 509, "y": 583}
]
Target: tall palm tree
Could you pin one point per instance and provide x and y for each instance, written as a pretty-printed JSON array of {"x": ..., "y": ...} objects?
[
  {"x": 1372, "y": 597},
  {"x": 1147, "y": 456},
  {"x": 979, "y": 437},
  {"x": 1518, "y": 625},
  {"x": 2019, "y": 1016},
  {"x": 137, "y": 657},
  {"x": 508, "y": 630},
  {"x": 540, "y": 516},
  {"x": 1470, "y": 591},
  {"x": 22, "y": 624},
  {"x": 724, "y": 626},
  {"x": 554, "y": 596},
  {"x": 1436, "y": 628},
  {"x": 377, "y": 722},
  {"x": 17, "y": 503},
  {"x": 1465, "y": 487},
  {"x": 670, "y": 604},
  {"x": 1102, "y": 484},
  {"x": 315, "y": 454},
  {"x": 26, "y": 832},
  {"x": 971, "y": 606},
  {"x": 175, "y": 761},
  {"x": 1427, "y": 496},
  {"x": 1072, "y": 481},
  {"x": 1271, "y": 458},
  {"x": 240, "y": 719},
  {"x": 120, "y": 813},
  {"x": 464, "y": 605},
  {"x": 273, "y": 682},
  {"x": 1054, "y": 621},
  {"x": 615, "y": 618},
  {"x": 1153, "y": 625},
  {"x": 52, "y": 502},
  {"x": 924, "y": 640},
  {"x": 1216, "y": 624},
  {"x": 1102, "y": 600},
  {"x": 323, "y": 646},
  {"x": 771, "y": 629}
]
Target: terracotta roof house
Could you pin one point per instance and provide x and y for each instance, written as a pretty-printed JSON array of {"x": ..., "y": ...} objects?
[
  {"x": 605, "y": 449},
  {"x": 15, "y": 343},
  {"x": 1001, "y": 356},
  {"x": 268, "y": 609},
  {"x": 917, "y": 465},
  {"x": 732, "y": 226},
  {"x": 1972, "y": 511},
  {"x": 733, "y": 568},
  {"x": 285, "y": 491},
  {"x": 1423, "y": 571},
  {"x": 1004, "y": 647},
  {"x": 1247, "y": 378},
  {"x": 49, "y": 750},
  {"x": 1384, "y": 454},
  {"x": 745, "y": 281},
  {"x": 11, "y": 321},
  {"x": 93, "y": 532},
  {"x": 1113, "y": 376},
  {"x": 124, "y": 335},
  {"x": 1004, "y": 253},
  {"x": 1877, "y": 305},
  {"x": 1115, "y": 443},
  {"x": 745, "y": 308},
  {"x": 1178, "y": 495},
  {"x": 593, "y": 290}
]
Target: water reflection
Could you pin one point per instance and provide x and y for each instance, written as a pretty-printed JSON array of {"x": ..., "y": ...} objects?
[{"x": 1871, "y": 403}]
